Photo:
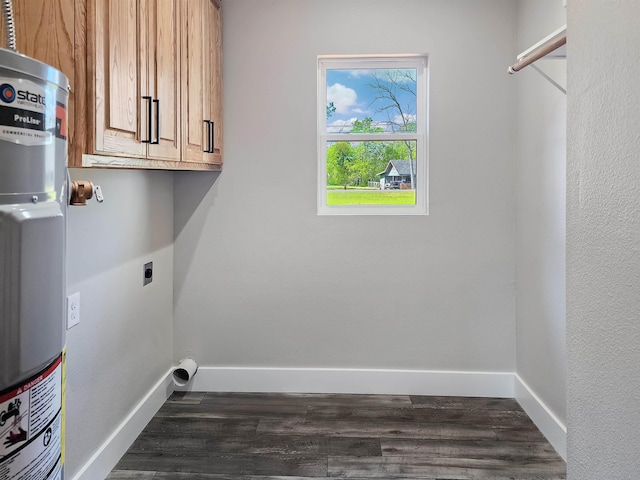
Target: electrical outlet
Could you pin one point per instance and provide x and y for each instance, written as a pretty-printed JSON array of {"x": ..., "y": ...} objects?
[
  {"x": 147, "y": 274},
  {"x": 73, "y": 310}
]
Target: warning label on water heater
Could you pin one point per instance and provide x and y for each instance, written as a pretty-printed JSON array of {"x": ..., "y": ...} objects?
[
  {"x": 29, "y": 114},
  {"x": 31, "y": 427}
]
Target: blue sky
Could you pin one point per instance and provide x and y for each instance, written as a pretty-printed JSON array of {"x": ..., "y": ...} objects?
[{"x": 352, "y": 97}]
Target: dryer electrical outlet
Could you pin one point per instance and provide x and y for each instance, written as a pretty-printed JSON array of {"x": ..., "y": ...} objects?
[{"x": 147, "y": 274}]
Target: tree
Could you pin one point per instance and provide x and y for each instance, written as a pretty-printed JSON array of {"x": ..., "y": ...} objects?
[
  {"x": 396, "y": 151},
  {"x": 357, "y": 163},
  {"x": 388, "y": 86},
  {"x": 340, "y": 156},
  {"x": 365, "y": 126},
  {"x": 331, "y": 109}
]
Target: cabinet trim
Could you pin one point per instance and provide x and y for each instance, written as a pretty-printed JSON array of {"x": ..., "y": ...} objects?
[{"x": 104, "y": 161}]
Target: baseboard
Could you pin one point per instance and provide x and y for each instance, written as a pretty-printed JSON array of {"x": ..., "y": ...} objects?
[
  {"x": 363, "y": 381},
  {"x": 550, "y": 426},
  {"x": 114, "y": 447}
]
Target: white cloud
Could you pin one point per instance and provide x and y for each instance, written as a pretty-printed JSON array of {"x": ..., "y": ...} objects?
[
  {"x": 343, "y": 98},
  {"x": 341, "y": 126},
  {"x": 408, "y": 117},
  {"x": 359, "y": 73}
]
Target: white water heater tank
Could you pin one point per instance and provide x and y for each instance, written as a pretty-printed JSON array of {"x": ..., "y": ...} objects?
[{"x": 33, "y": 200}]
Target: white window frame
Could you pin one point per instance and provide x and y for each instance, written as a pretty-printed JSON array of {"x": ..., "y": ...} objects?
[{"x": 356, "y": 62}]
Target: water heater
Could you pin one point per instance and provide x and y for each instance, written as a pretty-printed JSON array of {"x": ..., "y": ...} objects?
[{"x": 33, "y": 202}]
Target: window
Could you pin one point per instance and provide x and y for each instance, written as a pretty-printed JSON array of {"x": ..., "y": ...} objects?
[{"x": 372, "y": 135}]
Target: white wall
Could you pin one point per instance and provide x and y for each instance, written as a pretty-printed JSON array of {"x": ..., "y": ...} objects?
[
  {"x": 123, "y": 344},
  {"x": 261, "y": 280},
  {"x": 541, "y": 217},
  {"x": 603, "y": 248}
]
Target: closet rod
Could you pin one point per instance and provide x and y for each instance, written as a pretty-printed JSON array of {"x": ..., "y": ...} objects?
[{"x": 536, "y": 54}]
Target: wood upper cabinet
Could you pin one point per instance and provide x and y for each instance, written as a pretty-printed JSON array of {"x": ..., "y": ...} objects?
[
  {"x": 163, "y": 78},
  {"x": 145, "y": 76},
  {"x": 118, "y": 107},
  {"x": 202, "y": 82},
  {"x": 214, "y": 82},
  {"x": 137, "y": 78},
  {"x": 193, "y": 63}
]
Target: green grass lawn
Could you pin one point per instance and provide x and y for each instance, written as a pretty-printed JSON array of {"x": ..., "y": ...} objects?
[{"x": 371, "y": 197}]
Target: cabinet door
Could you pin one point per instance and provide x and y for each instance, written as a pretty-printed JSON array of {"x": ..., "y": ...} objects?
[
  {"x": 163, "y": 66},
  {"x": 119, "y": 107},
  {"x": 194, "y": 107},
  {"x": 214, "y": 82}
]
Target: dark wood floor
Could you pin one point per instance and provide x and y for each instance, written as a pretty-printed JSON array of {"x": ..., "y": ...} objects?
[{"x": 234, "y": 436}]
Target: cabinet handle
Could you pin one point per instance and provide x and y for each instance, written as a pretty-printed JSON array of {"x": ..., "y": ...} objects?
[
  {"x": 213, "y": 138},
  {"x": 157, "y": 141},
  {"x": 208, "y": 149},
  {"x": 149, "y": 113}
]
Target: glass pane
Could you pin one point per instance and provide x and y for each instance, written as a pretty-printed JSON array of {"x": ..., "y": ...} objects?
[
  {"x": 374, "y": 100},
  {"x": 371, "y": 173}
]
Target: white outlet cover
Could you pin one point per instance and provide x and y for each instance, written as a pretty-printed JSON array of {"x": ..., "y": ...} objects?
[{"x": 73, "y": 310}]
